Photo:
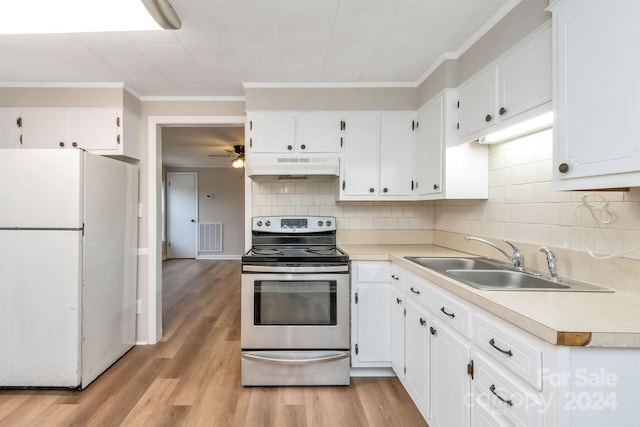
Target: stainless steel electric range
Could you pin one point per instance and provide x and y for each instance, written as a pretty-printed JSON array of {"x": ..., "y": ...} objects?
[{"x": 295, "y": 304}]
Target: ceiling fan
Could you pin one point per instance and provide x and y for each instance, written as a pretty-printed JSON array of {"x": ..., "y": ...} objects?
[{"x": 237, "y": 153}]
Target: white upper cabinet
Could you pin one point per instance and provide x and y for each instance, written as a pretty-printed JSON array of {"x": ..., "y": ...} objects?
[
  {"x": 8, "y": 128},
  {"x": 320, "y": 132},
  {"x": 596, "y": 94},
  {"x": 516, "y": 87},
  {"x": 294, "y": 132},
  {"x": 271, "y": 132},
  {"x": 98, "y": 130},
  {"x": 524, "y": 77},
  {"x": 398, "y": 136},
  {"x": 379, "y": 156},
  {"x": 477, "y": 104},
  {"x": 360, "y": 166},
  {"x": 431, "y": 141},
  {"x": 446, "y": 169}
]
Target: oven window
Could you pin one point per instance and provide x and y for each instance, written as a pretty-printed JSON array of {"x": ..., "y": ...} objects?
[{"x": 295, "y": 302}]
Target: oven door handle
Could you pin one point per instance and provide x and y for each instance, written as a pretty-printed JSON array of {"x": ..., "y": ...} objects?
[
  {"x": 296, "y": 362},
  {"x": 295, "y": 269}
]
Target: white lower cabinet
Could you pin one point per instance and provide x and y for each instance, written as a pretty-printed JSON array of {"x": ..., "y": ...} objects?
[
  {"x": 450, "y": 380},
  {"x": 417, "y": 356},
  {"x": 463, "y": 366},
  {"x": 397, "y": 323},
  {"x": 436, "y": 356},
  {"x": 371, "y": 314}
]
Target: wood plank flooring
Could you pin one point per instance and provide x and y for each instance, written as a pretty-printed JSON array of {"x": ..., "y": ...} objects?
[{"x": 192, "y": 377}]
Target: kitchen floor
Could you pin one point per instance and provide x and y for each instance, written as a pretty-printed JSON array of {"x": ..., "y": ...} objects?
[{"x": 192, "y": 377}]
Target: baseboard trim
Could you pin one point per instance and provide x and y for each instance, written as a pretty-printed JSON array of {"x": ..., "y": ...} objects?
[
  {"x": 372, "y": 372},
  {"x": 234, "y": 257}
]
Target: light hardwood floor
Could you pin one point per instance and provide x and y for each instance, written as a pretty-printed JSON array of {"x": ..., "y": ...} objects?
[{"x": 192, "y": 377}]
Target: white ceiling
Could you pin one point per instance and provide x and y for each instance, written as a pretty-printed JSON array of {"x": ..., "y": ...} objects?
[{"x": 223, "y": 43}]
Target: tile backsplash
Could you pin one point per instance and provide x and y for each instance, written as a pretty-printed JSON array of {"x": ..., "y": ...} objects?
[
  {"x": 271, "y": 196},
  {"x": 522, "y": 207}
]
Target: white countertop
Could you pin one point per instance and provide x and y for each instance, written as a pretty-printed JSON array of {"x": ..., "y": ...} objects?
[{"x": 567, "y": 318}]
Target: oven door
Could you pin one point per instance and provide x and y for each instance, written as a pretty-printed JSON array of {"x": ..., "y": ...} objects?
[{"x": 295, "y": 311}]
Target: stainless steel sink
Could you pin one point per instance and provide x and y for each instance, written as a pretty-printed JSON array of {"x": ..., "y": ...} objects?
[
  {"x": 507, "y": 280},
  {"x": 488, "y": 275},
  {"x": 444, "y": 264},
  {"x": 482, "y": 279}
]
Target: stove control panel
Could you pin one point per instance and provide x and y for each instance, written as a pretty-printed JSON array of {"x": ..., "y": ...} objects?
[{"x": 293, "y": 224}]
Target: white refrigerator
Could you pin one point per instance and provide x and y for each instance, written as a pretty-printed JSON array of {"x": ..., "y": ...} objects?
[{"x": 68, "y": 249}]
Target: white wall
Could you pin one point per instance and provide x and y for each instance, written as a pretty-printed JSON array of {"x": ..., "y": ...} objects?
[{"x": 226, "y": 185}]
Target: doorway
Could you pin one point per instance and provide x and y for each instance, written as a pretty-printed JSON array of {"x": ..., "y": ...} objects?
[
  {"x": 182, "y": 214},
  {"x": 153, "y": 302}
]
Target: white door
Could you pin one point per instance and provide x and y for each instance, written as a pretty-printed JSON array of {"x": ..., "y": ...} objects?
[
  {"x": 8, "y": 128},
  {"x": 417, "y": 354},
  {"x": 398, "y": 137},
  {"x": 374, "y": 322},
  {"x": 319, "y": 132},
  {"x": 450, "y": 383},
  {"x": 39, "y": 308},
  {"x": 397, "y": 333},
  {"x": 181, "y": 214},
  {"x": 477, "y": 103},
  {"x": 361, "y": 170}
]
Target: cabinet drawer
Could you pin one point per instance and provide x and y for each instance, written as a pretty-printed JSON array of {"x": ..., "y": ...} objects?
[
  {"x": 510, "y": 346},
  {"x": 504, "y": 396},
  {"x": 372, "y": 272},
  {"x": 450, "y": 310}
]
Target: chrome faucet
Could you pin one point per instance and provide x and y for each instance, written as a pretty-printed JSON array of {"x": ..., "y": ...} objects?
[
  {"x": 517, "y": 258},
  {"x": 551, "y": 262}
]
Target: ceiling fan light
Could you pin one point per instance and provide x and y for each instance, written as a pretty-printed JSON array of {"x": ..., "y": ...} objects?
[{"x": 238, "y": 163}]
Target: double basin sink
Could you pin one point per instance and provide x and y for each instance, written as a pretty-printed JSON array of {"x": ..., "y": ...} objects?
[{"x": 481, "y": 273}]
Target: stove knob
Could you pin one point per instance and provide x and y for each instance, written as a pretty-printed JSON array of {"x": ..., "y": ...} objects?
[
  {"x": 267, "y": 223},
  {"x": 328, "y": 223},
  {"x": 259, "y": 223},
  {"x": 320, "y": 223}
]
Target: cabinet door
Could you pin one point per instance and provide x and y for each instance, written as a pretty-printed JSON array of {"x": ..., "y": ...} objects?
[
  {"x": 450, "y": 383},
  {"x": 524, "y": 77},
  {"x": 397, "y": 153},
  {"x": 597, "y": 93},
  {"x": 373, "y": 304},
  {"x": 8, "y": 127},
  {"x": 45, "y": 128},
  {"x": 430, "y": 144},
  {"x": 319, "y": 132},
  {"x": 271, "y": 132},
  {"x": 361, "y": 155},
  {"x": 397, "y": 333},
  {"x": 96, "y": 128},
  {"x": 417, "y": 354},
  {"x": 477, "y": 103}
]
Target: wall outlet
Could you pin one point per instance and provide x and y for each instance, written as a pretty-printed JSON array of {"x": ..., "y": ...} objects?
[{"x": 138, "y": 306}]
